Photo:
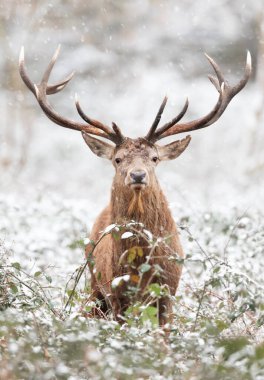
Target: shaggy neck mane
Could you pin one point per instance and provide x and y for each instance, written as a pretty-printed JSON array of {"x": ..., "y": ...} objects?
[{"x": 148, "y": 206}]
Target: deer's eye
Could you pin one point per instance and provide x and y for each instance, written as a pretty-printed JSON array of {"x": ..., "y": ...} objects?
[
  {"x": 155, "y": 159},
  {"x": 117, "y": 160}
]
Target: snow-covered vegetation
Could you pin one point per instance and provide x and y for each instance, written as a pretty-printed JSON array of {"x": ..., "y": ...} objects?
[{"x": 127, "y": 56}]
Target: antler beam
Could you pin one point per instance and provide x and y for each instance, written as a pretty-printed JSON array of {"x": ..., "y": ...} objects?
[
  {"x": 43, "y": 89},
  {"x": 226, "y": 93}
]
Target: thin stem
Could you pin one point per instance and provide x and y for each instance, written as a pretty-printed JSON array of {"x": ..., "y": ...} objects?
[
  {"x": 82, "y": 269},
  {"x": 36, "y": 294}
]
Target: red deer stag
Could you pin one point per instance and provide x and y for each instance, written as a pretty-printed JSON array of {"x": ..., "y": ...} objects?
[{"x": 136, "y": 194}]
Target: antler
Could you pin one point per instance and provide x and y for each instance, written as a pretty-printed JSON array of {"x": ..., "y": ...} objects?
[
  {"x": 43, "y": 89},
  {"x": 226, "y": 93}
]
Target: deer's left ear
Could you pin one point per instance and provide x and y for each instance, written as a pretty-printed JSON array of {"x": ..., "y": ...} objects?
[{"x": 174, "y": 149}]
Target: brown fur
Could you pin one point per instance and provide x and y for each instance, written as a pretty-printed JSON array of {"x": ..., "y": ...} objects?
[
  {"x": 150, "y": 207},
  {"x": 136, "y": 204}
]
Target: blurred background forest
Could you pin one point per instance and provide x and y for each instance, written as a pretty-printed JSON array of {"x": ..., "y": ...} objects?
[{"x": 126, "y": 56}]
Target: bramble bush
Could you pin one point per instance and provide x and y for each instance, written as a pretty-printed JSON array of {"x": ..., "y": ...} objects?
[{"x": 217, "y": 332}]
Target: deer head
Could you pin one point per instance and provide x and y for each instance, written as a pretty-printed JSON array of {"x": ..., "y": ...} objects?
[{"x": 134, "y": 159}]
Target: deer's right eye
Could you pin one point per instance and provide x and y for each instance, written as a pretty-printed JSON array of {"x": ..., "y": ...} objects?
[{"x": 118, "y": 160}]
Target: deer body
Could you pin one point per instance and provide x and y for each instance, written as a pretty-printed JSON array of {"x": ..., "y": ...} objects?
[
  {"x": 136, "y": 194},
  {"x": 156, "y": 217}
]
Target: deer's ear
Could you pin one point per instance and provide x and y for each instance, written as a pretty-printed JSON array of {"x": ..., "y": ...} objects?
[
  {"x": 174, "y": 149},
  {"x": 98, "y": 147}
]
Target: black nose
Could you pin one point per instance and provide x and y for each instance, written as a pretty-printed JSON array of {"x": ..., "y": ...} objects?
[{"x": 138, "y": 176}]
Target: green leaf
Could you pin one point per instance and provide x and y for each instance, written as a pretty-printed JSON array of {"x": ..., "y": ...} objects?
[
  {"x": 215, "y": 327},
  {"x": 132, "y": 311},
  {"x": 116, "y": 235},
  {"x": 16, "y": 265},
  {"x": 49, "y": 279},
  {"x": 156, "y": 289},
  {"x": 233, "y": 345},
  {"x": 92, "y": 243},
  {"x": 260, "y": 320},
  {"x": 13, "y": 287},
  {"x": 131, "y": 256},
  {"x": 150, "y": 313},
  {"x": 133, "y": 253},
  {"x": 72, "y": 293},
  {"x": 37, "y": 274},
  {"x": 77, "y": 244},
  {"x": 259, "y": 352},
  {"x": 144, "y": 268}
]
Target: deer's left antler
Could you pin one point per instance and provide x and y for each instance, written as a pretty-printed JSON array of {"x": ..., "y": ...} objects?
[{"x": 226, "y": 93}]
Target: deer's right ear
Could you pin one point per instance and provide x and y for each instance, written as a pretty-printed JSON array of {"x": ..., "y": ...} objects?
[{"x": 98, "y": 147}]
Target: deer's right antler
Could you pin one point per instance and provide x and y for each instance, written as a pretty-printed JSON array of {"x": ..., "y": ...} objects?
[
  {"x": 43, "y": 89},
  {"x": 226, "y": 93}
]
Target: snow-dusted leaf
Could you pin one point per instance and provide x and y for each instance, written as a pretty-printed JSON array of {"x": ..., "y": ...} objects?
[
  {"x": 86, "y": 241},
  {"x": 148, "y": 234},
  {"x": 16, "y": 265},
  {"x": 109, "y": 228},
  {"x": 126, "y": 235},
  {"x": 118, "y": 280},
  {"x": 145, "y": 268}
]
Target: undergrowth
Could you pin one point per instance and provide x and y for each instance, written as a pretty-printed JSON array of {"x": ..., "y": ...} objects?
[{"x": 217, "y": 331}]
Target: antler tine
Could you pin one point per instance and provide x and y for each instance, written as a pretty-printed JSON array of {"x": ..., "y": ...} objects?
[
  {"x": 62, "y": 121},
  {"x": 226, "y": 93},
  {"x": 153, "y": 128},
  {"x": 88, "y": 120},
  {"x": 23, "y": 73},
  {"x": 195, "y": 124},
  {"x": 247, "y": 74},
  {"x": 216, "y": 68},
  {"x": 48, "y": 70},
  {"x": 229, "y": 91},
  {"x": 118, "y": 133},
  {"x": 43, "y": 89},
  {"x": 214, "y": 81},
  {"x": 117, "y": 136},
  {"x": 54, "y": 88},
  {"x": 51, "y": 88},
  {"x": 174, "y": 121}
]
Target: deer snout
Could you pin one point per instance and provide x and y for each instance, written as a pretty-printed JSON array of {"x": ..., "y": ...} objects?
[{"x": 138, "y": 176}]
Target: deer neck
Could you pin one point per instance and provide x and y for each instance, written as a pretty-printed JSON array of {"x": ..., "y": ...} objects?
[{"x": 148, "y": 206}]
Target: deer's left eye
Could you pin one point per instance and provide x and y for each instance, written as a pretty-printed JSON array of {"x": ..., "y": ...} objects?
[{"x": 155, "y": 159}]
